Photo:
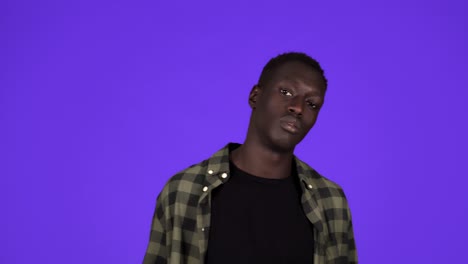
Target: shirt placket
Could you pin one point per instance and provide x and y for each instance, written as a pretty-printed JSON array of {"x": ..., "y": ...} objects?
[{"x": 213, "y": 180}]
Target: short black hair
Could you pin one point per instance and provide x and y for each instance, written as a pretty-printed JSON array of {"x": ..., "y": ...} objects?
[{"x": 274, "y": 63}]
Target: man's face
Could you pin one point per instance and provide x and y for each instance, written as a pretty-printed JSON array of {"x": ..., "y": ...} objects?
[{"x": 286, "y": 107}]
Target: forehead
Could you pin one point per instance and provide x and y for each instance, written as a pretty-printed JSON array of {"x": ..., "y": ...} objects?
[{"x": 296, "y": 71}]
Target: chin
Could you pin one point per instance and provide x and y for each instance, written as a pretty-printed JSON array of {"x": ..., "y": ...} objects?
[
  {"x": 284, "y": 145},
  {"x": 280, "y": 141}
]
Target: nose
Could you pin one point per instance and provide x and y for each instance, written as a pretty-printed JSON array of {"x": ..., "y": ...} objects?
[{"x": 296, "y": 106}]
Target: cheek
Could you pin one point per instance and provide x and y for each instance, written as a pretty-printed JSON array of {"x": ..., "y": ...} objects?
[
  {"x": 311, "y": 119},
  {"x": 273, "y": 110},
  {"x": 269, "y": 119},
  {"x": 264, "y": 118}
]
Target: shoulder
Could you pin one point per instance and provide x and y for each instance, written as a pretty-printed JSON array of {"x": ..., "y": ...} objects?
[
  {"x": 186, "y": 183},
  {"x": 329, "y": 197},
  {"x": 194, "y": 174},
  {"x": 318, "y": 180},
  {"x": 327, "y": 191},
  {"x": 186, "y": 179}
]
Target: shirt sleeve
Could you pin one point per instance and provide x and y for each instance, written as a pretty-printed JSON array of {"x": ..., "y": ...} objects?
[
  {"x": 156, "y": 252},
  {"x": 352, "y": 253}
]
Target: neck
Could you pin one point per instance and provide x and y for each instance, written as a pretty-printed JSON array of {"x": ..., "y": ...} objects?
[{"x": 262, "y": 161}]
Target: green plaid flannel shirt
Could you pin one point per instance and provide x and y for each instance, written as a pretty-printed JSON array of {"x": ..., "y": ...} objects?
[{"x": 181, "y": 222}]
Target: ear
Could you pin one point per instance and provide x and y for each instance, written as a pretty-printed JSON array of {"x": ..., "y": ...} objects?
[{"x": 254, "y": 95}]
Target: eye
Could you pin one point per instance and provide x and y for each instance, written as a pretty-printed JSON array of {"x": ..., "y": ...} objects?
[
  {"x": 313, "y": 105},
  {"x": 285, "y": 92}
]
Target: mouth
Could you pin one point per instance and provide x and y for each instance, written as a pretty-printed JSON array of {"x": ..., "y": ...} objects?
[{"x": 290, "y": 124}]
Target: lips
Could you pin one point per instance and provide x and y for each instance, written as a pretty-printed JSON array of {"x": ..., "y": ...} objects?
[{"x": 290, "y": 124}]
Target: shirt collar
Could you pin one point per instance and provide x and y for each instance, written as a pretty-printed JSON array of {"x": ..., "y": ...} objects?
[
  {"x": 217, "y": 172},
  {"x": 217, "y": 169}
]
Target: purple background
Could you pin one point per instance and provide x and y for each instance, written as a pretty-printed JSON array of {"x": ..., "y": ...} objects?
[{"x": 101, "y": 102}]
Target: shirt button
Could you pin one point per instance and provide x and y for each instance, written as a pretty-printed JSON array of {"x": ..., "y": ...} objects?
[
  {"x": 203, "y": 229},
  {"x": 310, "y": 186},
  {"x": 224, "y": 175},
  {"x": 210, "y": 172},
  {"x": 205, "y": 188}
]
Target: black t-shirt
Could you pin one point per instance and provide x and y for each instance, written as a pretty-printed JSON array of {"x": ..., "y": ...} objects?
[{"x": 259, "y": 220}]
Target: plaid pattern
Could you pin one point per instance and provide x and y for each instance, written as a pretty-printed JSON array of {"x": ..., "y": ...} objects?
[{"x": 181, "y": 222}]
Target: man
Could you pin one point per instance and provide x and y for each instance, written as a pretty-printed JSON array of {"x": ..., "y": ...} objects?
[{"x": 257, "y": 202}]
